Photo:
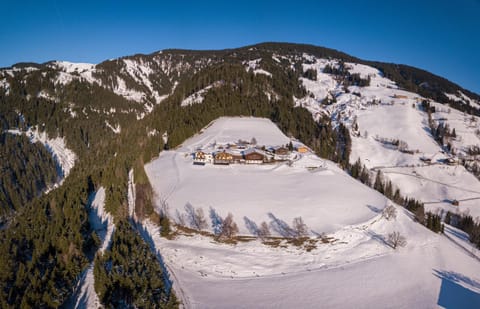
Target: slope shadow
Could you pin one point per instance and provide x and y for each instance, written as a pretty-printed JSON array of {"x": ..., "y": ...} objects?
[{"x": 453, "y": 294}]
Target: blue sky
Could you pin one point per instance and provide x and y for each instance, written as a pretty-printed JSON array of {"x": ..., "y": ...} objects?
[{"x": 440, "y": 36}]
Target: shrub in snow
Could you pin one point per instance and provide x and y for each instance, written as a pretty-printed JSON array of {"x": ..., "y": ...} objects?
[
  {"x": 299, "y": 227},
  {"x": 396, "y": 239},
  {"x": 389, "y": 212},
  {"x": 263, "y": 231}
]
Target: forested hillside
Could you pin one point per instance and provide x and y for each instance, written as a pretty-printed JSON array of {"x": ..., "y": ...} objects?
[{"x": 112, "y": 116}]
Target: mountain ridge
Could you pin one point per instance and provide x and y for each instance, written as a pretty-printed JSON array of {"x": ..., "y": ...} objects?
[{"x": 318, "y": 51}]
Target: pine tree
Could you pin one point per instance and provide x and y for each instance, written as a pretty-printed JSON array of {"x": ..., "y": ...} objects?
[{"x": 378, "y": 185}]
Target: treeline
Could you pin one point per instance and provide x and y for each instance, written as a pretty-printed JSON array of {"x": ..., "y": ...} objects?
[{"x": 27, "y": 169}]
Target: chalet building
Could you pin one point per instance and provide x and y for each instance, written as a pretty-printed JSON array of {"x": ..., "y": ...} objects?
[
  {"x": 254, "y": 156},
  {"x": 282, "y": 154},
  {"x": 238, "y": 158},
  {"x": 399, "y": 96},
  {"x": 224, "y": 158},
  {"x": 200, "y": 158},
  {"x": 282, "y": 151}
]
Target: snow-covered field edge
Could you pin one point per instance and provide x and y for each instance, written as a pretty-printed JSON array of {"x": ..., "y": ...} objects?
[{"x": 150, "y": 232}]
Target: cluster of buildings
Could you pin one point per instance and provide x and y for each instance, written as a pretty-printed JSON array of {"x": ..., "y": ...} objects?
[{"x": 246, "y": 154}]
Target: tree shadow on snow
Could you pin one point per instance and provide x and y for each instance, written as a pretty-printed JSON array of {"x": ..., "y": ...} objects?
[
  {"x": 251, "y": 226},
  {"x": 374, "y": 209},
  {"x": 378, "y": 237},
  {"x": 457, "y": 290},
  {"x": 281, "y": 227},
  {"x": 459, "y": 235}
]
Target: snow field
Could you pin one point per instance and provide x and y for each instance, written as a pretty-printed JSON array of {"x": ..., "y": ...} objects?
[{"x": 261, "y": 193}]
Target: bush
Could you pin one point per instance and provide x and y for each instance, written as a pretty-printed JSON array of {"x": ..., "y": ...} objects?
[{"x": 396, "y": 239}]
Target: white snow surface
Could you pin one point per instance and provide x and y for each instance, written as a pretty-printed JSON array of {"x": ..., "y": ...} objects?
[
  {"x": 5, "y": 85},
  {"x": 430, "y": 271},
  {"x": 261, "y": 192},
  {"x": 227, "y": 130},
  {"x": 101, "y": 220},
  {"x": 255, "y": 66},
  {"x": 131, "y": 195},
  {"x": 196, "y": 97}
]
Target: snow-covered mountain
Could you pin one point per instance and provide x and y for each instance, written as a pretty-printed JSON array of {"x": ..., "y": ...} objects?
[{"x": 329, "y": 235}]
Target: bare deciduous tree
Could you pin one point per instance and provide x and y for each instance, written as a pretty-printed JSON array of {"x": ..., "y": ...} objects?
[
  {"x": 299, "y": 227},
  {"x": 389, "y": 212},
  {"x": 263, "y": 231},
  {"x": 195, "y": 217},
  {"x": 180, "y": 218},
  {"x": 395, "y": 239},
  {"x": 229, "y": 227},
  {"x": 200, "y": 219}
]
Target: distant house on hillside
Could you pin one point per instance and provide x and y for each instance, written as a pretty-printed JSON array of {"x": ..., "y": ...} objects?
[
  {"x": 400, "y": 96},
  {"x": 224, "y": 158},
  {"x": 302, "y": 149}
]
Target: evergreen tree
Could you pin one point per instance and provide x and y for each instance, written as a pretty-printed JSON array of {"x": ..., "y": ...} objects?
[{"x": 378, "y": 184}]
